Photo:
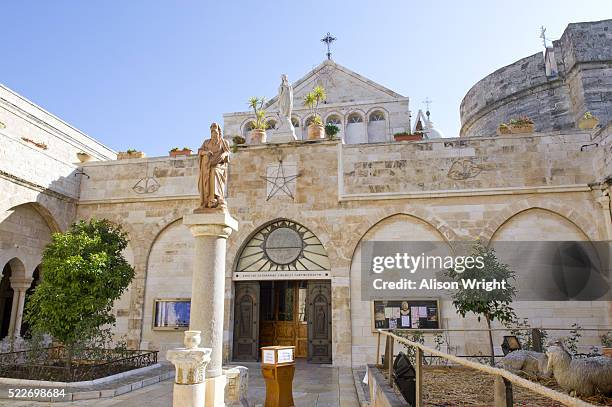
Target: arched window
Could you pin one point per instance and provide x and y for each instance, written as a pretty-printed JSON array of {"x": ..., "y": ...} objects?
[
  {"x": 283, "y": 245},
  {"x": 308, "y": 121},
  {"x": 271, "y": 125},
  {"x": 334, "y": 119},
  {"x": 355, "y": 118},
  {"x": 377, "y": 116},
  {"x": 295, "y": 121},
  {"x": 247, "y": 129}
]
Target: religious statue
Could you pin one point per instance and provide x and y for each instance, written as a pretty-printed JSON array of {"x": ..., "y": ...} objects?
[
  {"x": 214, "y": 158},
  {"x": 285, "y": 105}
]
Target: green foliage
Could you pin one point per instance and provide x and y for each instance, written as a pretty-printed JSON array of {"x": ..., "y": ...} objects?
[
  {"x": 238, "y": 140},
  {"x": 523, "y": 332},
  {"x": 588, "y": 115},
  {"x": 521, "y": 121},
  {"x": 606, "y": 340},
  {"x": 312, "y": 100},
  {"x": 257, "y": 104},
  {"x": 571, "y": 341},
  {"x": 84, "y": 273},
  {"x": 131, "y": 151},
  {"x": 492, "y": 305},
  {"x": 331, "y": 130},
  {"x": 175, "y": 149},
  {"x": 414, "y": 336}
]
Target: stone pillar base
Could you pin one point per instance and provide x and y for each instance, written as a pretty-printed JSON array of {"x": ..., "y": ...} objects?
[
  {"x": 188, "y": 395},
  {"x": 282, "y": 137},
  {"x": 215, "y": 391}
]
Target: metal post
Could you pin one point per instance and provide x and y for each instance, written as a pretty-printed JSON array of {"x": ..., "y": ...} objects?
[
  {"x": 377, "y": 351},
  {"x": 418, "y": 369},
  {"x": 387, "y": 349},
  {"x": 391, "y": 362},
  {"x": 503, "y": 392}
]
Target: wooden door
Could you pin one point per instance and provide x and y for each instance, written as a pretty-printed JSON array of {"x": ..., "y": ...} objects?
[
  {"x": 319, "y": 322},
  {"x": 246, "y": 321}
]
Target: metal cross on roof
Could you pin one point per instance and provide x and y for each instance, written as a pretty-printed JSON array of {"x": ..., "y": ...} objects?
[
  {"x": 427, "y": 102},
  {"x": 328, "y": 39}
]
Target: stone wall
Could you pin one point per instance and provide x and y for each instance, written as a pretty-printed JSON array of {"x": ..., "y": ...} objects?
[
  {"x": 584, "y": 59},
  {"x": 521, "y": 185}
]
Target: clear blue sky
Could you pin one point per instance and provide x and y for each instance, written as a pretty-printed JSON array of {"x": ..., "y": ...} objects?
[{"x": 152, "y": 75}]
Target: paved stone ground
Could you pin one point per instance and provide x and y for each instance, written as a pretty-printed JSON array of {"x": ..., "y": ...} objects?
[{"x": 313, "y": 386}]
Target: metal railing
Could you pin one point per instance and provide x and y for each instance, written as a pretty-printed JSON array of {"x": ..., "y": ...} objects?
[
  {"x": 503, "y": 378},
  {"x": 88, "y": 364}
]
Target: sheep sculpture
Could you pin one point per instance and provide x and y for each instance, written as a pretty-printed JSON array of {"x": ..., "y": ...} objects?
[
  {"x": 527, "y": 361},
  {"x": 584, "y": 377}
]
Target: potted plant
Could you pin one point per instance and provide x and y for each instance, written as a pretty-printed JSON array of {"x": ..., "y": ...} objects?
[
  {"x": 588, "y": 121},
  {"x": 238, "y": 140},
  {"x": 606, "y": 343},
  {"x": 406, "y": 136},
  {"x": 521, "y": 125},
  {"x": 175, "y": 152},
  {"x": 316, "y": 131},
  {"x": 331, "y": 130},
  {"x": 83, "y": 156},
  {"x": 258, "y": 132},
  {"x": 129, "y": 154},
  {"x": 503, "y": 128}
]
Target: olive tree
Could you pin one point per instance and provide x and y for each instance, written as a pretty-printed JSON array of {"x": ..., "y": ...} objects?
[
  {"x": 490, "y": 305},
  {"x": 84, "y": 272}
]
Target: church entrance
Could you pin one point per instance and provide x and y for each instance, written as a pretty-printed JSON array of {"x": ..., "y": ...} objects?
[{"x": 285, "y": 312}]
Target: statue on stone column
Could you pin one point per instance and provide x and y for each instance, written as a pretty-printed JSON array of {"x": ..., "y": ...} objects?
[
  {"x": 214, "y": 158},
  {"x": 285, "y": 104}
]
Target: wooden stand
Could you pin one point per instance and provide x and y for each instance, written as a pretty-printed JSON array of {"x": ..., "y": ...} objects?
[{"x": 278, "y": 371}]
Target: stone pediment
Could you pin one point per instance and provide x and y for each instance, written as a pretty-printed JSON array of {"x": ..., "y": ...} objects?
[{"x": 341, "y": 85}]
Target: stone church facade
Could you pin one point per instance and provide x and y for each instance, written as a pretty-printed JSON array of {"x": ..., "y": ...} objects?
[{"x": 328, "y": 196}]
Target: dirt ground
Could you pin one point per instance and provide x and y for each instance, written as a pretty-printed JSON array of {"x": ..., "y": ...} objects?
[{"x": 446, "y": 386}]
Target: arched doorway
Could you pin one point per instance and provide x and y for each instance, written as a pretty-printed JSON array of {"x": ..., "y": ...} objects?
[
  {"x": 283, "y": 293},
  {"x": 6, "y": 300}
]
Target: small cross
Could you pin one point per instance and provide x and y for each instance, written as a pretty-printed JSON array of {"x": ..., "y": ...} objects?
[
  {"x": 543, "y": 35},
  {"x": 427, "y": 102},
  {"x": 328, "y": 39}
]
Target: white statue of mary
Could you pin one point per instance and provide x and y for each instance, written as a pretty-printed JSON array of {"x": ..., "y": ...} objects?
[{"x": 285, "y": 131}]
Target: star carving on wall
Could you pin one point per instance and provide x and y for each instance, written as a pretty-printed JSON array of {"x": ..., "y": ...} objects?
[{"x": 280, "y": 182}]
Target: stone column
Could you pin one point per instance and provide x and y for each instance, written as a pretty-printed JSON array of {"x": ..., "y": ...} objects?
[
  {"x": 19, "y": 287},
  {"x": 190, "y": 363},
  {"x": 211, "y": 230}
]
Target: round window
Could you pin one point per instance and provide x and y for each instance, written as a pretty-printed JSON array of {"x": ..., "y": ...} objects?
[{"x": 283, "y": 245}]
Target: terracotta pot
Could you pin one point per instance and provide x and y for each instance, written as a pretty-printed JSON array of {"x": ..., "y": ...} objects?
[
  {"x": 316, "y": 132},
  {"x": 257, "y": 136},
  {"x": 606, "y": 352},
  {"x": 588, "y": 124},
  {"x": 408, "y": 137},
  {"x": 83, "y": 157},
  {"x": 523, "y": 129},
  {"x": 180, "y": 152}
]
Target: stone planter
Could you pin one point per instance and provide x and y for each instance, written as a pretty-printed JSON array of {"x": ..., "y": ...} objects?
[
  {"x": 606, "y": 352},
  {"x": 408, "y": 137},
  {"x": 588, "y": 124},
  {"x": 177, "y": 153},
  {"x": 503, "y": 130},
  {"x": 522, "y": 129},
  {"x": 257, "y": 136},
  {"x": 128, "y": 156},
  {"x": 83, "y": 157},
  {"x": 316, "y": 132}
]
